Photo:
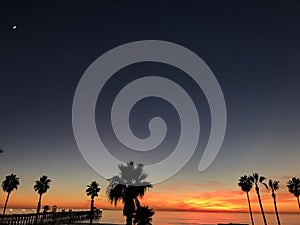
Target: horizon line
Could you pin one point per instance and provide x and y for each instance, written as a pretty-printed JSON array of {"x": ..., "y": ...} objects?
[{"x": 166, "y": 210}]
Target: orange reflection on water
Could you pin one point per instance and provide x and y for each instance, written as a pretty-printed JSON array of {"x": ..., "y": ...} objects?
[{"x": 184, "y": 217}]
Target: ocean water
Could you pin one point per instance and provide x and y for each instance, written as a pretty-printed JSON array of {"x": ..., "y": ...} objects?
[
  {"x": 189, "y": 218},
  {"x": 203, "y": 218}
]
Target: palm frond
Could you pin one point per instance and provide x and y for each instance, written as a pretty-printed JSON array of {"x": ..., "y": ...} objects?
[
  {"x": 276, "y": 185},
  {"x": 128, "y": 186},
  {"x": 294, "y": 186},
  {"x": 10, "y": 183},
  {"x": 93, "y": 189},
  {"x": 255, "y": 177},
  {"x": 266, "y": 186},
  {"x": 245, "y": 183},
  {"x": 261, "y": 179},
  {"x": 42, "y": 185}
]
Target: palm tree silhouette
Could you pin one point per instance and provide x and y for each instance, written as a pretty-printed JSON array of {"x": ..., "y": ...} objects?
[
  {"x": 256, "y": 179},
  {"x": 41, "y": 186},
  {"x": 46, "y": 208},
  {"x": 143, "y": 215},
  {"x": 246, "y": 186},
  {"x": 10, "y": 183},
  {"x": 92, "y": 190},
  {"x": 274, "y": 186},
  {"x": 1, "y": 150},
  {"x": 294, "y": 188},
  {"x": 54, "y": 209},
  {"x": 128, "y": 187}
]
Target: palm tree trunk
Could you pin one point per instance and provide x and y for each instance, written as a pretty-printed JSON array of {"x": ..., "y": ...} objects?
[
  {"x": 92, "y": 211},
  {"x": 4, "y": 209},
  {"x": 128, "y": 210},
  {"x": 129, "y": 220},
  {"x": 250, "y": 210},
  {"x": 276, "y": 211},
  {"x": 298, "y": 202},
  {"x": 38, "y": 209},
  {"x": 261, "y": 206}
]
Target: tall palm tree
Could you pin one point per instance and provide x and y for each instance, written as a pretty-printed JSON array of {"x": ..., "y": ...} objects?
[
  {"x": 92, "y": 190},
  {"x": 41, "y": 186},
  {"x": 294, "y": 188},
  {"x": 246, "y": 186},
  {"x": 128, "y": 187},
  {"x": 10, "y": 183},
  {"x": 256, "y": 179},
  {"x": 274, "y": 186}
]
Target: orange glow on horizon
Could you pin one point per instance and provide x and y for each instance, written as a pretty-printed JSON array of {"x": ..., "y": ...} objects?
[{"x": 224, "y": 200}]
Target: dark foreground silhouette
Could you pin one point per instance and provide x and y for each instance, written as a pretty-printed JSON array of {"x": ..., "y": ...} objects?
[{"x": 128, "y": 187}]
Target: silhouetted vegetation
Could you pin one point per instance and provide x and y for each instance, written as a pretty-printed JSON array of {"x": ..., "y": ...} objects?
[
  {"x": 54, "y": 209},
  {"x": 274, "y": 186},
  {"x": 294, "y": 188},
  {"x": 92, "y": 190},
  {"x": 41, "y": 186},
  {"x": 143, "y": 215},
  {"x": 1, "y": 150},
  {"x": 10, "y": 183},
  {"x": 131, "y": 184},
  {"x": 127, "y": 187},
  {"x": 46, "y": 208},
  {"x": 256, "y": 180},
  {"x": 246, "y": 186},
  {"x": 246, "y": 183}
]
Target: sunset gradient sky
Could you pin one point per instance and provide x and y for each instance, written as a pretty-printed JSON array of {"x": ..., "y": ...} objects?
[{"x": 251, "y": 46}]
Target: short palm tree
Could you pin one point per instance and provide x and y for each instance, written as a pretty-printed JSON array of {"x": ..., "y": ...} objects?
[
  {"x": 54, "y": 209},
  {"x": 10, "y": 183},
  {"x": 143, "y": 215},
  {"x": 41, "y": 186},
  {"x": 256, "y": 179},
  {"x": 246, "y": 186},
  {"x": 92, "y": 190},
  {"x": 128, "y": 187},
  {"x": 274, "y": 186},
  {"x": 294, "y": 188},
  {"x": 46, "y": 208}
]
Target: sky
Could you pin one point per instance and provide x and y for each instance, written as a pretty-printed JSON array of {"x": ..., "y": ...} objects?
[{"x": 252, "y": 47}]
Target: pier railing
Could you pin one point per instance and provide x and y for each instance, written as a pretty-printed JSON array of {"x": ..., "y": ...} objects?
[{"x": 49, "y": 218}]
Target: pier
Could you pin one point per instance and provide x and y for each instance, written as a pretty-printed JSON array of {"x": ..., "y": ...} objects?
[{"x": 49, "y": 218}]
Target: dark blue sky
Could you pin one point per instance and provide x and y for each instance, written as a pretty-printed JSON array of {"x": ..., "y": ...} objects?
[{"x": 251, "y": 46}]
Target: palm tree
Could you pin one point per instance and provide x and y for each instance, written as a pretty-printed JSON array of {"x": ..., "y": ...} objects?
[
  {"x": 46, "y": 208},
  {"x": 256, "y": 179},
  {"x": 54, "y": 209},
  {"x": 246, "y": 186},
  {"x": 92, "y": 190},
  {"x": 274, "y": 185},
  {"x": 294, "y": 188},
  {"x": 128, "y": 187},
  {"x": 41, "y": 186},
  {"x": 10, "y": 183},
  {"x": 143, "y": 215}
]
